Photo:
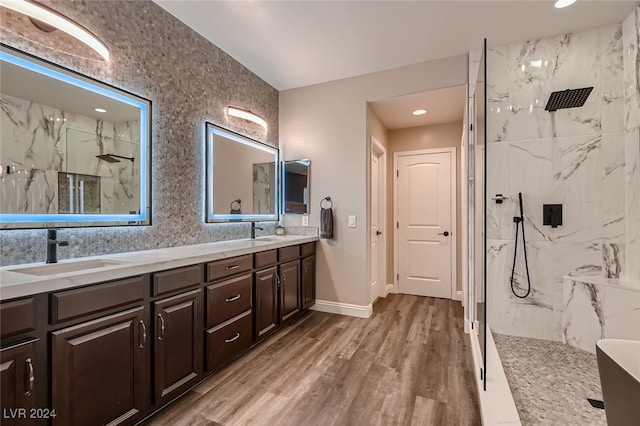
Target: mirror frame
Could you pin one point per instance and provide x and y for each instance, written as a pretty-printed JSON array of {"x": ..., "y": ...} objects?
[
  {"x": 210, "y": 217},
  {"x": 283, "y": 186},
  {"x": 76, "y": 220}
]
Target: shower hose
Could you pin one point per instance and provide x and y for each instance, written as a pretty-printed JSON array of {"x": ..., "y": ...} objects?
[{"x": 520, "y": 220}]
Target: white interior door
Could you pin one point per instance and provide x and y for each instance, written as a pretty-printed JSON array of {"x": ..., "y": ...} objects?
[
  {"x": 424, "y": 215},
  {"x": 375, "y": 225}
]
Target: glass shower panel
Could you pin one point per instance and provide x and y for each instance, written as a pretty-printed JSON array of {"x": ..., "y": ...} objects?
[{"x": 479, "y": 209}]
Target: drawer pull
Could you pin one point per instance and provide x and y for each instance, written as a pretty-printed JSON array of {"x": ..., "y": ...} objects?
[
  {"x": 236, "y": 337},
  {"x": 161, "y": 335},
  {"x": 31, "y": 378},
  {"x": 232, "y": 299},
  {"x": 144, "y": 334},
  {"x": 232, "y": 267}
]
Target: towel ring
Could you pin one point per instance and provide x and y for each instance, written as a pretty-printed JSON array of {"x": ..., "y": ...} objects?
[
  {"x": 326, "y": 199},
  {"x": 237, "y": 202}
]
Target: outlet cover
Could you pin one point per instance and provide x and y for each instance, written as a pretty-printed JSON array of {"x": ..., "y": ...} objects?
[
  {"x": 305, "y": 220},
  {"x": 352, "y": 221}
]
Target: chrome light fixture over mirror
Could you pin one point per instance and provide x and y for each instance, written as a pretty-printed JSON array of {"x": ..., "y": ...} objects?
[
  {"x": 74, "y": 152},
  {"x": 295, "y": 187},
  {"x": 242, "y": 178}
]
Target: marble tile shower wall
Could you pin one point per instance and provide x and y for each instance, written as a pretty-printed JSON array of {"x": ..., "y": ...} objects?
[
  {"x": 189, "y": 81},
  {"x": 574, "y": 157},
  {"x": 631, "y": 49}
]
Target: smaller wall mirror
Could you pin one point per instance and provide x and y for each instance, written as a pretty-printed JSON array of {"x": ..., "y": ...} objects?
[
  {"x": 296, "y": 186},
  {"x": 242, "y": 178}
]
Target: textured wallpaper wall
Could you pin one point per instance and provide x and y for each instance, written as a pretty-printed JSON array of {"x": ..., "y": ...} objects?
[{"x": 189, "y": 81}]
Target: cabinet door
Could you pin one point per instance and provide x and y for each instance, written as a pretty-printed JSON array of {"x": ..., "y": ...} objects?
[
  {"x": 266, "y": 301},
  {"x": 289, "y": 289},
  {"x": 177, "y": 344},
  {"x": 308, "y": 282},
  {"x": 98, "y": 370},
  {"x": 17, "y": 381}
]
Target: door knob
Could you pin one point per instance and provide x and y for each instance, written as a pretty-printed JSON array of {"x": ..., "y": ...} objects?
[
  {"x": 445, "y": 233},
  {"x": 378, "y": 233}
]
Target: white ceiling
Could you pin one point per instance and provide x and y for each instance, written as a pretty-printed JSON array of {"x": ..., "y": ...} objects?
[
  {"x": 442, "y": 105},
  {"x": 291, "y": 44}
]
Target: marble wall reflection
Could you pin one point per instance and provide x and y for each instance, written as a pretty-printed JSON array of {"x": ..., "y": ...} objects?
[
  {"x": 61, "y": 142},
  {"x": 576, "y": 157}
]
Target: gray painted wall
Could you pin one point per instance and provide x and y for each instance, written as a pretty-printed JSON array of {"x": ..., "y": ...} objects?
[{"x": 188, "y": 79}]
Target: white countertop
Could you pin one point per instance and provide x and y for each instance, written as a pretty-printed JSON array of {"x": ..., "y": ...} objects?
[{"x": 15, "y": 284}]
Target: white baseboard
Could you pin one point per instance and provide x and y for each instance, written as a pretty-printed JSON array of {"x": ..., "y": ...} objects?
[
  {"x": 457, "y": 295},
  {"x": 391, "y": 288},
  {"x": 467, "y": 326},
  {"x": 343, "y": 308}
]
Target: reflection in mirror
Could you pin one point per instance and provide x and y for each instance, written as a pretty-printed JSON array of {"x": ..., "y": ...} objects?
[
  {"x": 73, "y": 151},
  {"x": 242, "y": 178},
  {"x": 296, "y": 186}
]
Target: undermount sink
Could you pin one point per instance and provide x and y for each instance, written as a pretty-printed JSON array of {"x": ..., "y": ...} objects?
[{"x": 61, "y": 268}]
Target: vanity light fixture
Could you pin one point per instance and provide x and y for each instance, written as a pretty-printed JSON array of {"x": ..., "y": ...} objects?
[
  {"x": 247, "y": 115},
  {"x": 50, "y": 17},
  {"x": 98, "y": 109},
  {"x": 563, "y": 3},
  {"x": 419, "y": 112}
]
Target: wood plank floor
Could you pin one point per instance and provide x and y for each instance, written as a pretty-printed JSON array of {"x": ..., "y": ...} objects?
[{"x": 409, "y": 364}]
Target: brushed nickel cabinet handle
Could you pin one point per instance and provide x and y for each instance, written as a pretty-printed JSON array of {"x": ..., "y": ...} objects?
[
  {"x": 144, "y": 334},
  {"x": 236, "y": 337},
  {"x": 161, "y": 335},
  {"x": 31, "y": 378},
  {"x": 229, "y": 268},
  {"x": 232, "y": 299}
]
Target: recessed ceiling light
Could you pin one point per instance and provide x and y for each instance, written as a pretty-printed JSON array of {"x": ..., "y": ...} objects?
[
  {"x": 419, "y": 112},
  {"x": 564, "y": 3},
  {"x": 97, "y": 109}
]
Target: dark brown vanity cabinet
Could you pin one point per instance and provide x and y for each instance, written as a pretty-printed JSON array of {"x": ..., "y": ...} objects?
[
  {"x": 98, "y": 370},
  {"x": 266, "y": 311},
  {"x": 308, "y": 286},
  {"x": 289, "y": 290},
  {"x": 177, "y": 344},
  {"x": 229, "y": 319},
  {"x": 17, "y": 380},
  {"x": 176, "y": 320}
]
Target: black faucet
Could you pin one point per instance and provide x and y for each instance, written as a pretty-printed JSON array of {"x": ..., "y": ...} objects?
[
  {"x": 253, "y": 230},
  {"x": 52, "y": 245}
]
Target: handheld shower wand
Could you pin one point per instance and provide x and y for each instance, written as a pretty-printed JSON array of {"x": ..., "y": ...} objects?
[{"x": 520, "y": 220}]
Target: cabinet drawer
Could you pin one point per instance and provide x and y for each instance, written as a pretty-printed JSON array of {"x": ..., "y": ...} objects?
[
  {"x": 228, "y": 299},
  {"x": 228, "y": 340},
  {"x": 266, "y": 258},
  {"x": 71, "y": 304},
  {"x": 308, "y": 249},
  {"x": 177, "y": 279},
  {"x": 226, "y": 268},
  {"x": 17, "y": 317},
  {"x": 288, "y": 253}
]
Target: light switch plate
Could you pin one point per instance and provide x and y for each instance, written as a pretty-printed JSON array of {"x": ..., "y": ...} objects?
[
  {"x": 352, "y": 221},
  {"x": 305, "y": 220}
]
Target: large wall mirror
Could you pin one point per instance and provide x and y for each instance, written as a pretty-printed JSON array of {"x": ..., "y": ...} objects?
[
  {"x": 74, "y": 152},
  {"x": 295, "y": 183},
  {"x": 242, "y": 178}
]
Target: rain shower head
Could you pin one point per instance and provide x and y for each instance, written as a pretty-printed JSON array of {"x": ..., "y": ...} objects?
[
  {"x": 570, "y": 98},
  {"x": 113, "y": 158}
]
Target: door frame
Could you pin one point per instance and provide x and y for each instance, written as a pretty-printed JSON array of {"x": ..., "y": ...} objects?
[
  {"x": 454, "y": 213},
  {"x": 378, "y": 150}
]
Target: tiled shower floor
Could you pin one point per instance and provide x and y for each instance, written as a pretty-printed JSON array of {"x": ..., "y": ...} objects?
[{"x": 550, "y": 381}]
